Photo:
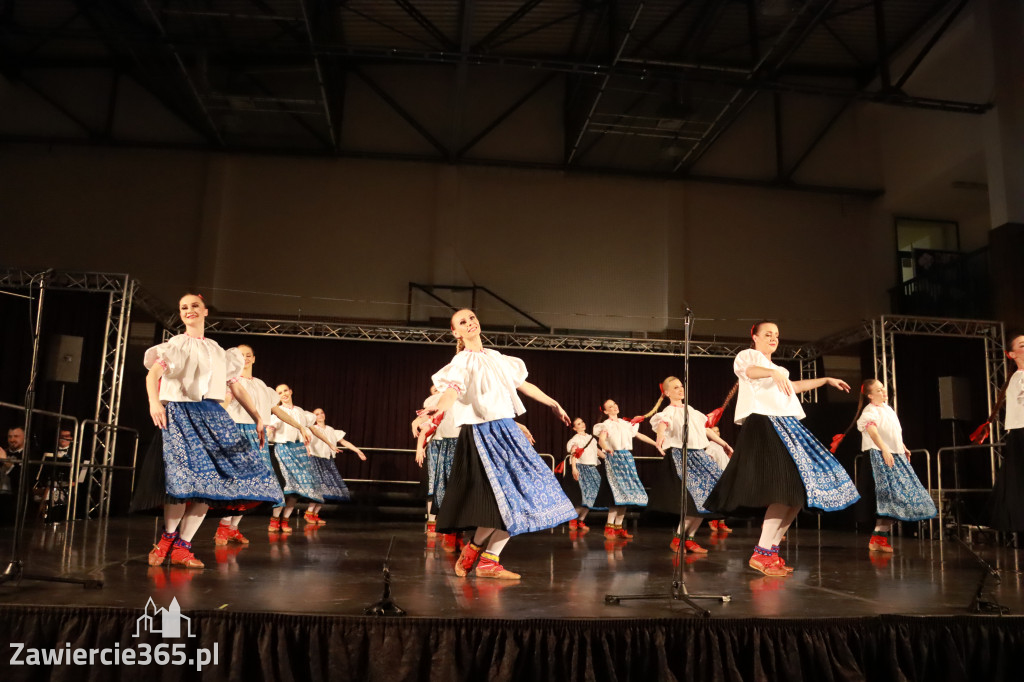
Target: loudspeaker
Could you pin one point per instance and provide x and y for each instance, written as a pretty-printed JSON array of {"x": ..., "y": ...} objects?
[
  {"x": 954, "y": 398},
  {"x": 64, "y": 359}
]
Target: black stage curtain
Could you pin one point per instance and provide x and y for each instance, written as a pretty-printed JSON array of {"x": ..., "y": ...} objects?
[{"x": 267, "y": 646}]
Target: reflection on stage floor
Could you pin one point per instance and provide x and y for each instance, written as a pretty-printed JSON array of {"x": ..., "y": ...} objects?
[{"x": 336, "y": 569}]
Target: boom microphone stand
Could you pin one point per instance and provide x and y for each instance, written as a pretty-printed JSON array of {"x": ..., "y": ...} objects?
[
  {"x": 14, "y": 569},
  {"x": 679, "y": 591}
]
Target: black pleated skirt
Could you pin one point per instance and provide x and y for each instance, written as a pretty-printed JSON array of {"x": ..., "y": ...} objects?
[
  {"x": 665, "y": 492},
  {"x": 760, "y": 473},
  {"x": 1006, "y": 507},
  {"x": 469, "y": 501}
]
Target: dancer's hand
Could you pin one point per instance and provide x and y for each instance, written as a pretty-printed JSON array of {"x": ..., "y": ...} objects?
[
  {"x": 158, "y": 413},
  {"x": 838, "y": 383},
  {"x": 782, "y": 381},
  {"x": 421, "y": 454},
  {"x": 360, "y": 455},
  {"x": 728, "y": 450},
  {"x": 307, "y": 437},
  {"x": 661, "y": 451},
  {"x": 260, "y": 431},
  {"x": 887, "y": 457},
  {"x": 660, "y": 440},
  {"x": 560, "y": 413},
  {"x": 419, "y": 424},
  {"x": 907, "y": 453}
]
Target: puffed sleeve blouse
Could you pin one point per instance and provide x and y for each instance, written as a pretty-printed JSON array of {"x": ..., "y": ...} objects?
[
  {"x": 286, "y": 433},
  {"x": 1015, "y": 401},
  {"x": 697, "y": 437},
  {"x": 486, "y": 382},
  {"x": 762, "y": 396},
  {"x": 620, "y": 433},
  {"x": 264, "y": 397},
  {"x": 195, "y": 369},
  {"x": 889, "y": 429}
]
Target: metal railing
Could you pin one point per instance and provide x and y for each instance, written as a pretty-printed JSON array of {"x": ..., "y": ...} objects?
[
  {"x": 956, "y": 450},
  {"x": 107, "y": 468}
]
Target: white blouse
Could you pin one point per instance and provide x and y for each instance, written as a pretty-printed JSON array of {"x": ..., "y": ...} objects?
[
  {"x": 888, "y": 424},
  {"x": 1015, "y": 401},
  {"x": 447, "y": 427},
  {"x": 486, "y": 382},
  {"x": 264, "y": 397},
  {"x": 697, "y": 437},
  {"x": 620, "y": 433},
  {"x": 286, "y": 433},
  {"x": 318, "y": 448},
  {"x": 589, "y": 445},
  {"x": 762, "y": 396},
  {"x": 717, "y": 453},
  {"x": 194, "y": 369}
]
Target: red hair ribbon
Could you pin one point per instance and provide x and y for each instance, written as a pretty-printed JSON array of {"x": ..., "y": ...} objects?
[
  {"x": 639, "y": 419},
  {"x": 577, "y": 453},
  {"x": 980, "y": 434},
  {"x": 560, "y": 469},
  {"x": 713, "y": 417},
  {"x": 836, "y": 440},
  {"x": 661, "y": 387}
]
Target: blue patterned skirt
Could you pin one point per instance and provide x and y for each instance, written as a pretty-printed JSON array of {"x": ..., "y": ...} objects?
[
  {"x": 590, "y": 484},
  {"x": 499, "y": 481},
  {"x": 898, "y": 491},
  {"x": 329, "y": 482},
  {"x": 828, "y": 486},
  {"x": 293, "y": 470},
  {"x": 778, "y": 461},
  {"x": 206, "y": 458},
  {"x": 620, "y": 467},
  {"x": 440, "y": 454}
]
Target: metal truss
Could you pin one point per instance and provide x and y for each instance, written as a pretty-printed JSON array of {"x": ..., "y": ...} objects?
[
  {"x": 885, "y": 329},
  {"x": 120, "y": 289},
  {"x": 497, "y": 339}
]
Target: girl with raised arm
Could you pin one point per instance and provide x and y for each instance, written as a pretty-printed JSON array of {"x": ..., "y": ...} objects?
[
  {"x": 499, "y": 485},
  {"x": 777, "y": 464},
  {"x": 329, "y": 481}
]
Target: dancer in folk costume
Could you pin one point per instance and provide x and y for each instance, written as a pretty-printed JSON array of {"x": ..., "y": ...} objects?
[
  {"x": 582, "y": 478},
  {"x": 436, "y": 446},
  {"x": 204, "y": 460},
  {"x": 615, "y": 438},
  {"x": 329, "y": 481},
  {"x": 1006, "y": 507},
  {"x": 266, "y": 401},
  {"x": 777, "y": 462},
  {"x": 899, "y": 494},
  {"x": 291, "y": 457},
  {"x": 702, "y": 471},
  {"x": 499, "y": 485}
]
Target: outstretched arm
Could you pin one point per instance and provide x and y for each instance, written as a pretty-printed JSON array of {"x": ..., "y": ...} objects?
[
  {"x": 811, "y": 384},
  {"x": 287, "y": 419},
  {"x": 715, "y": 438},
  {"x": 419, "y": 424},
  {"x": 245, "y": 400},
  {"x": 353, "y": 448},
  {"x": 647, "y": 439},
  {"x": 528, "y": 389}
]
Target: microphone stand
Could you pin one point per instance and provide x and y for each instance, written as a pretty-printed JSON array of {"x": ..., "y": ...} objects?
[
  {"x": 678, "y": 590},
  {"x": 14, "y": 569}
]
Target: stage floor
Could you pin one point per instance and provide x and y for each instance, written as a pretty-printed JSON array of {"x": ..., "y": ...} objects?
[{"x": 336, "y": 570}]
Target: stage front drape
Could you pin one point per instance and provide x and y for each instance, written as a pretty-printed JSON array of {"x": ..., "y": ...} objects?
[{"x": 264, "y": 646}]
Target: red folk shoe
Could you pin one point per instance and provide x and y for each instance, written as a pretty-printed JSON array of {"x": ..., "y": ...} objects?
[
  {"x": 781, "y": 563},
  {"x": 236, "y": 536},
  {"x": 319, "y": 521},
  {"x": 275, "y": 525},
  {"x": 574, "y": 524},
  {"x": 431, "y": 527},
  {"x": 489, "y": 568},
  {"x": 623, "y": 533},
  {"x": 285, "y": 528},
  {"x": 609, "y": 532},
  {"x": 693, "y": 547},
  {"x": 766, "y": 564},
  {"x": 181, "y": 555},
  {"x": 676, "y": 541},
  {"x": 879, "y": 543},
  {"x": 466, "y": 560},
  {"x": 449, "y": 542},
  {"x": 309, "y": 517},
  {"x": 582, "y": 526},
  {"x": 159, "y": 551},
  {"x": 222, "y": 535}
]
